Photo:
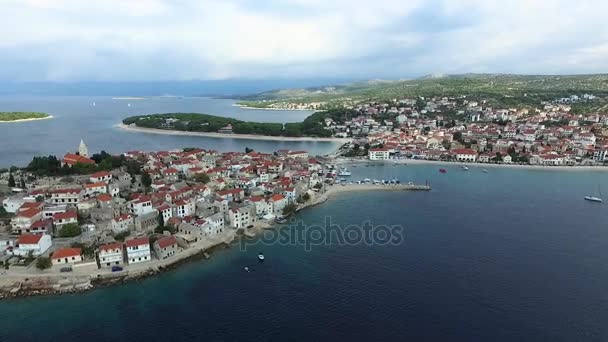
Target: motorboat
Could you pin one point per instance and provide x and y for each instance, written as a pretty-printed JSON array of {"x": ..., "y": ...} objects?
[
  {"x": 593, "y": 199},
  {"x": 443, "y": 171},
  {"x": 344, "y": 172},
  {"x": 261, "y": 257}
]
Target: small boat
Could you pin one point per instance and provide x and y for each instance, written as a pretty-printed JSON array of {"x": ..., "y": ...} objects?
[
  {"x": 593, "y": 199},
  {"x": 443, "y": 171},
  {"x": 246, "y": 269},
  {"x": 344, "y": 172},
  {"x": 280, "y": 220},
  {"x": 484, "y": 171},
  {"x": 465, "y": 168},
  {"x": 261, "y": 257}
]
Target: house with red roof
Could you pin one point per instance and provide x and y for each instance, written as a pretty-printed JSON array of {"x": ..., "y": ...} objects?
[
  {"x": 278, "y": 203},
  {"x": 96, "y": 188},
  {"x": 111, "y": 254},
  {"x": 36, "y": 244},
  {"x": 24, "y": 219},
  {"x": 66, "y": 255},
  {"x": 122, "y": 223},
  {"x": 465, "y": 155},
  {"x": 101, "y": 176},
  {"x": 138, "y": 250},
  {"x": 61, "y": 219},
  {"x": 66, "y": 196},
  {"x": 166, "y": 247},
  {"x": 71, "y": 159}
]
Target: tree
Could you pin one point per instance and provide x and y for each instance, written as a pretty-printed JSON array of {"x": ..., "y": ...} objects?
[
  {"x": 306, "y": 197},
  {"x": 39, "y": 198},
  {"x": 22, "y": 184},
  {"x": 290, "y": 209},
  {"x": 70, "y": 230},
  {"x": 43, "y": 263},
  {"x": 248, "y": 150},
  {"x": 161, "y": 220},
  {"x": 146, "y": 180},
  {"x": 122, "y": 236},
  {"x": 11, "y": 180},
  {"x": 202, "y": 178}
]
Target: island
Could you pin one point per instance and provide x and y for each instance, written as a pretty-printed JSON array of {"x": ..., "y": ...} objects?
[
  {"x": 312, "y": 128},
  {"x": 22, "y": 116}
]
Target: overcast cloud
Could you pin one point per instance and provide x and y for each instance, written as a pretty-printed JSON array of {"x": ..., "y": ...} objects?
[{"x": 75, "y": 40}]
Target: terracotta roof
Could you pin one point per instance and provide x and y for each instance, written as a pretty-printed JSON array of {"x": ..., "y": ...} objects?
[
  {"x": 138, "y": 242},
  {"x": 66, "y": 252},
  {"x": 95, "y": 185},
  {"x": 167, "y": 241},
  {"x": 277, "y": 197},
  {"x": 111, "y": 246},
  {"x": 29, "y": 213},
  {"x": 64, "y": 216},
  {"x": 29, "y": 239},
  {"x": 104, "y": 198},
  {"x": 101, "y": 174}
]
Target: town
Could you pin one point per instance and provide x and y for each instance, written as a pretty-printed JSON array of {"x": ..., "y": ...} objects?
[
  {"x": 172, "y": 202},
  {"x": 465, "y": 130}
]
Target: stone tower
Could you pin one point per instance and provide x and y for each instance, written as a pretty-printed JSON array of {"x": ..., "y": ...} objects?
[{"x": 82, "y": 149}]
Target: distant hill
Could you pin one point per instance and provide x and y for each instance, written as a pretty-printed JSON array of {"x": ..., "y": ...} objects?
[{"x": 489, "y": 85}]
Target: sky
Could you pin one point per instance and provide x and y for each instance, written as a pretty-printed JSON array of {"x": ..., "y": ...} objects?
[{"x": 143, "y": 40}]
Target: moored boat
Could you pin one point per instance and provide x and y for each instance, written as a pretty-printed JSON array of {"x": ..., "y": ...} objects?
[
  {"x": 593, "y": 199},
  {"x": 443, "y": 171}
]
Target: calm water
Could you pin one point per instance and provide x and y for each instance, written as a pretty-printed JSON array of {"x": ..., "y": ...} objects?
[
  {"x": 511, "y": 255},
  {"x": 76, "y": 118}
]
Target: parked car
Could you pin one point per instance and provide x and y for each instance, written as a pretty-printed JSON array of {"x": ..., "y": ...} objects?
[
  {"x": 116, "y": 268},
  {"x": 65, "y": 269}
]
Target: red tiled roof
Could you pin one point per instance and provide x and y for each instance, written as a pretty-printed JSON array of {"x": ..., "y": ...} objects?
[
  {"x": 167, "y": 241},
  {"x": 72, "y": 159},
  {"x": 64, "y": 216},
  {"x": 95, "y": 185},
  {"x": 277, "y": 197},
  {"x": 104, "y": 198},
  {"x": 100, "y": 174},
  {"x": 29, "y": 213},
  {"x": 111, "y": 246},
  {"x": 138, "y": 241},
  {"x": 29, "y": 239},
  {"x": 66, "y": 252}
]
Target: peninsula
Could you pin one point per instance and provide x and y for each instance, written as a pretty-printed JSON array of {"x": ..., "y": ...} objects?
[
  {"x": 22, "y": 116},
  {"x": 84, "y": 221}
]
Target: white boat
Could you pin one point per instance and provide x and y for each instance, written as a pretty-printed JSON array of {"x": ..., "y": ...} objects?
[
  {"x": 464, "y": 167},
  {"x": 593, "y": 199},
  {"x": 261, "y": 257},
  {"x": 344, "y": 172},
  {"x": 484, "y": 171}
]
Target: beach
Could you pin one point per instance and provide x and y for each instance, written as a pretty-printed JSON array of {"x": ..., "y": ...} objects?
[
  {"x": 26, "y": 120},
  {"x": 340, "y": 161},
  {"x": 224, "y": 135},
  {"x": 282, "y": 109}
]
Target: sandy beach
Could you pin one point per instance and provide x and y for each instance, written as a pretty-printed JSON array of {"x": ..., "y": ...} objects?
[
  {"x": 284, "y": 109},
  {"x": 26, "y": 120},
  {"x": 471, "y": 165},
  {"x": 229, "y": 136}
]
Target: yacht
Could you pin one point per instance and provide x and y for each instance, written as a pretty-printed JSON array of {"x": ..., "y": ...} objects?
[
  {"x": 344, "y": 172},
  {"x": 261, "y": 257},
  {"x": 593, "y": 199},
  {"x": 464, "y": 167},
  {"x": 484, "y": 171}
]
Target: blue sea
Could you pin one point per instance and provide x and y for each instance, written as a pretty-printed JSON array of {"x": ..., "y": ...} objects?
[
  {"x": 94, "y": 119},
  {"x": 508, "y": 255}
]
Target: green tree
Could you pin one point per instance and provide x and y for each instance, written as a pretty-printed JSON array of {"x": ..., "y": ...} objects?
[
  {"x": 146, "y": 180},
  {"x": 69, "y": 230},
  {"x": 22, "y": 183},
  {"x": 290, "y": 209},
  {"x": 248, "y": 150},
  {"x": 122, "y": 236},
  {"x": 306, "y": 197},
  {"x": 43, "y": 263},
  {"x": 202, "y": 178},
  {"x": 11, "y": 180},
  {"x": 39, "y": 198}
]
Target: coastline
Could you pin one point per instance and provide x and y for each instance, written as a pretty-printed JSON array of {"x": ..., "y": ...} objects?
[
  {"x": 88, "y": 277},
  {"x": 26, "y": 120},
  {"x": 283, "y": 109},
  {"x": 343, "y": 160},
  {"x": 224, "y": 135}
]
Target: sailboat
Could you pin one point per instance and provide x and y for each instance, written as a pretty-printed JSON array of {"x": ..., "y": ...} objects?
[{"x": 593, "y": 198}]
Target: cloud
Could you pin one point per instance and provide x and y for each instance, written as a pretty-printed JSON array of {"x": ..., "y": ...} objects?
[{"x": 217, "y": 39}]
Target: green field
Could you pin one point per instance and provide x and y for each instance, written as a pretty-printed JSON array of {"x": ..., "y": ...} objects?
[{"x": 13, "y": 116}]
